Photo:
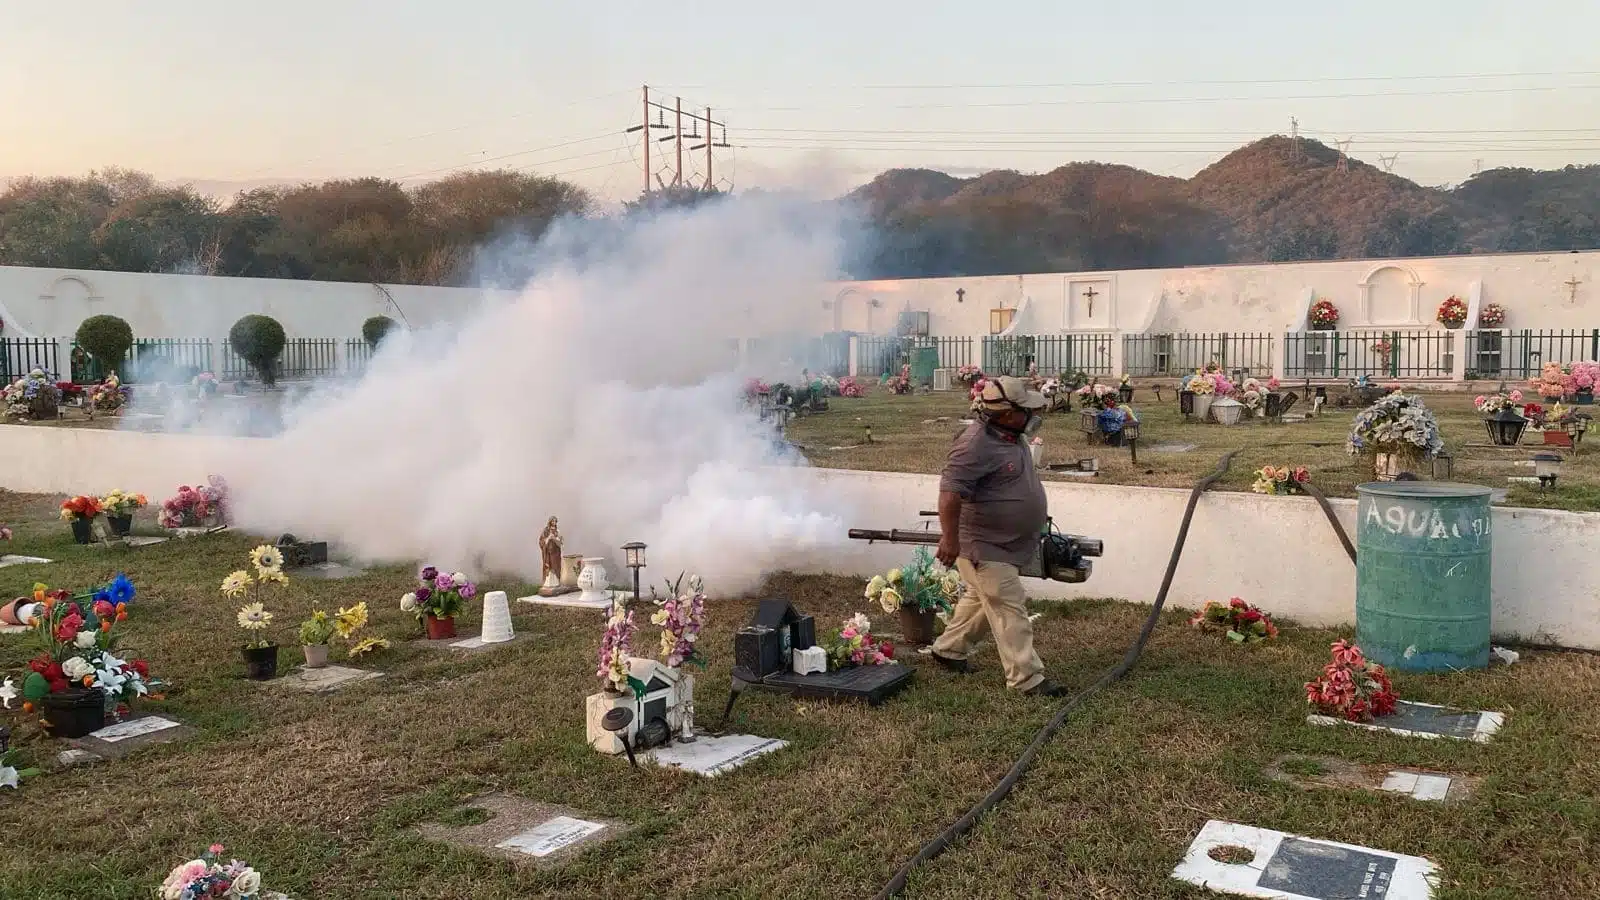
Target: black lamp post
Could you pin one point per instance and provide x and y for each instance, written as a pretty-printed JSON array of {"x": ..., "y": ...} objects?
[
  {"x": 1186, "y": 403},
  {"x": 1505, "y": 427},
  {"x": 633, "y": 556},
  {"x": 616, "y": 721}
]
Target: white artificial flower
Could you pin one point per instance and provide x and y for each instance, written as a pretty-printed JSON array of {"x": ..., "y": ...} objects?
[
  {"x": 408, "y": 603},
  {"x": 890, "y": 600},
  {"x": 9, "y": 777},
  {"x": 246, "y": 884},
  {"x": 875, "y": 587},
  {"x": 894, "y": 576},
  {"x": 458, "y": 578},
  {"x": 76, "y": 668},
  {"x": 861, "y": 623},
  {"x": 8, "y": 692},
  {"x": 85, "y": 639}
]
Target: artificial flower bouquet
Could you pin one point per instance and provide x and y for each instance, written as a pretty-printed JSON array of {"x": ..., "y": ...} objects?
[
  {"x": 322, "y": 628},
  {"x": 120, "y": 503},
  {"x": 33, "y": 396},
  {"x": 1452, "y": 312},
  {"x": 616, "y": 649},
  {"x": 1241, "y": 622},
  {"x": 1489, "y": 404},
  {"x": 1491, "y": 315},
  {"x": 10, "y": 775},
  {"x": 923, "y": 586},
  {"x": 1400, "y": 424},
  {"x": 1253, "y": 394},
  {"x": 1351, "y": 687},
  {"x": 853, "y": 645},
  {"x": 1098, "y": 396},
  {"x": 439, "y": 595},
  {"x": 1324, "y": 314},
  {"x": 1585, "y": 375},
  {"x": 81, "y": 507},
  {"x": 968, "y": 374},
  {"x": 204, "y": 385},
  {"x": 1553, "y": 381},
  {"x": 1534, "y": 413},
  {"x": 681, "y": 617},
  {"x": 1199, "y": 383},
  {"x": 79, "y": 634},
  {"x": 754, "y": 388},
  {"x": 1281, "y": 480},
  {"x": 253, "y": 617},
  {"x": 827, "y": 384},
  {"x": 209, "y": 877},
  {"x": 107, "y": 396},
  {"x": 849, "y": 387},
  {"x": 193, "y": 507},
  {"x": 901, "y": 383}
]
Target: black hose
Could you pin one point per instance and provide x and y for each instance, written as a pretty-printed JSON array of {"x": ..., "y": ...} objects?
[
  {"x": 1338, "y": 527},
  {"x": 938, "y": 845}
]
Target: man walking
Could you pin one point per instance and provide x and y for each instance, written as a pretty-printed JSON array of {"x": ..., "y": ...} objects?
[{"x": 992, "y": 511}]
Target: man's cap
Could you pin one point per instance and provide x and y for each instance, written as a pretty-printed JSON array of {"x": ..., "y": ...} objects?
[{"x": 1007, "y": 391}]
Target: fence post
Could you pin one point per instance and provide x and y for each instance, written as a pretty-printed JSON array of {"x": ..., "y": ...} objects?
[
  {"x": 1118, "y": 356},
  {"x": 1458, "y": 367},
  {"x": 855, "y": 345},
  {"x": 63, "y": 359},
  {"x": 1280, "y": 360}
]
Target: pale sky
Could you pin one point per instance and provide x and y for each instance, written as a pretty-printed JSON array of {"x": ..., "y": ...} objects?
[{"x": 820, "y": 94}]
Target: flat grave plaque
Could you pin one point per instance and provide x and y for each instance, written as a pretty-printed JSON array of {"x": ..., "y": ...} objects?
[
  {"x": 328, "y": 571},
  {"x": 325, "y": 678},
  {"x": 1427, "y": 720},
  {"x": 553, "y": 835},
  {"x": 10, "y": 560},
  {"x": 712, "y": 755},
  {"x": 870, "y": 683},
  {"x": 1279, "y": 866},
  {"x": 132, "y": 728}
]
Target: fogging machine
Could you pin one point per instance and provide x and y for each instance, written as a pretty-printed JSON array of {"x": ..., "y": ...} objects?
[{"x": 1061, "y": 557}]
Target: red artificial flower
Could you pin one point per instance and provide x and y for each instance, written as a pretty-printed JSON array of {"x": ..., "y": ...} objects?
[
  {"x": 59, "y": 685},
  {"x": 69, "y": 626},
  {"x": 1249, "y": 616},
  {"x": 887, "y": 649},
  {"x": 1237, "y": 603},
  {"x": 140, "y": 666},
  {"x": 104, "y": 609}
]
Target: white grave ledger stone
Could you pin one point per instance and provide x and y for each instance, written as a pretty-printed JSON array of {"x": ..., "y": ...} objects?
[
  {"x": 1279, "y": 866},
  {"x": 496, "y": 618},
  {"x": 545, "y": 839}
]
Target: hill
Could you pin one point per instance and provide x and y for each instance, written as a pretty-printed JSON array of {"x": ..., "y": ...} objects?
[{"x": 1273, "y": 200}]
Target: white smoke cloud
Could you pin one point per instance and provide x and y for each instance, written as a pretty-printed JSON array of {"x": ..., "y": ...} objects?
[{"x": 605, "y": 394}]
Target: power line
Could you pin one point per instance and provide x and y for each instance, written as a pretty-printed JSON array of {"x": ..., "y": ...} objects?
[
  {"x": 1128, "y": 100},
  {"x": 1092, "y": 84},
  {"x": 1143, "y": 150},
  {"x": 516, "y": 154}
]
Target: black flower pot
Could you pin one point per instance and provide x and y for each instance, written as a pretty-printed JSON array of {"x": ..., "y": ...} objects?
[
  {"x": 120, "y": 525},
  {"x": 83, "y": 530},
  {"x": 261, "y": 663},
  {"x": 74, "y": 713}
]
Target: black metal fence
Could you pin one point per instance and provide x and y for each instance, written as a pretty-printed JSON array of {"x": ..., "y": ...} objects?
[
  {"x": 1518, "y": 354},
  {"x": 825, "y": 355},
  {"x": 1179, "y": 353},
  {"x": 19, "y": 356},
  {"x": 1089, "y": 353},
  {"x": 357, "y": 354},
  {"x": 301, "y": 358},
  {"x": 1415, "y": 354},
  {"x": 167, "y": 359},
  {"x": 877, "y": 355}
]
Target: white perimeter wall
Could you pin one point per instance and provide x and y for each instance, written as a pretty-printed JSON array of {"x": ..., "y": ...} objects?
[
  {"x": 1403, "y": 293},
  {"x": 50, "y": 303},
  {"x": 1278, "y": 552}
]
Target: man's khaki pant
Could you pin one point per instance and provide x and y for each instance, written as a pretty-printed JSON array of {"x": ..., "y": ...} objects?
[{"x": 994, "y": 602}]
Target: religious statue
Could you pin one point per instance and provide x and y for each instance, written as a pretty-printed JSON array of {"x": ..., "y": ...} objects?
[{"x": 550, "y": 552}]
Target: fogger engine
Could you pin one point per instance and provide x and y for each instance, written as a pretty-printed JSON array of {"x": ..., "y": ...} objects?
[{"x": 1061, "y": 557}]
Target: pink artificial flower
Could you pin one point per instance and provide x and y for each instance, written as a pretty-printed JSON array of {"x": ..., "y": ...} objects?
[
  {"x": 1478, "y": 400},
  {"x": 1516, "y": 396},
  {"x": 216, "y": 849}
]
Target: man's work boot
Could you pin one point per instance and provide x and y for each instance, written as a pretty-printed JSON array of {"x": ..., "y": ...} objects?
[
  {"x": 1047, "y": 688},
  {"x": 955, "y": 665}
]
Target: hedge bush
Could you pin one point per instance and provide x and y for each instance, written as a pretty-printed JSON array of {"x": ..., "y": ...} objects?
[
  {"x": 259, "y": 341},
  {"x": 376, "y": 328},
  {"x": 108, "y": 339}
]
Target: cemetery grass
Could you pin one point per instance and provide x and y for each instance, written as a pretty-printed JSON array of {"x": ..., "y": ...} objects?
[
  {"x": 324, "y": 794},
  {"x": 913, "y": 434}
]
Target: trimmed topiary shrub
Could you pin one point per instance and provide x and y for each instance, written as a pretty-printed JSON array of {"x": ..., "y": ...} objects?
[
  {"x": 375, "y": 328},
  {"x": 107, "y": 339},
  {"x": 259, "y": 341}
]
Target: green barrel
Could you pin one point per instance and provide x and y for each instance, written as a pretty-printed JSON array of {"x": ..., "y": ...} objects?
[
  {"x": 1422, "y": 575},
  {"x": 923, "y": 361}
]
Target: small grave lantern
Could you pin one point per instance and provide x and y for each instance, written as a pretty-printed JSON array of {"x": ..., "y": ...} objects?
[
  {"x": 633, "y": 556},
  {"x": 1274, "y": 402},
  {"x": 1089, "y": 421},
  {"x": 1443, "y": 466},
  {"x": 1576, "y": 426},
  {"x": 1546, "y": 466},
  {"x": 1186, "y": 403},
  {"x": 1505, "y": 427}
]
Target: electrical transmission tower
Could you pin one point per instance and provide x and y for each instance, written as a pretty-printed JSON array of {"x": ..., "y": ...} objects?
[
  {"x": 1344, "y": 154},
  {"x": 677, "y": 136},
  {"x": 1294, "y": 138},
  {"x": 1388, "y": 161}
]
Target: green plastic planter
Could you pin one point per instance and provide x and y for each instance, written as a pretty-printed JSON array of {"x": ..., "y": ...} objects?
[{"x": 1422, "y": 575}]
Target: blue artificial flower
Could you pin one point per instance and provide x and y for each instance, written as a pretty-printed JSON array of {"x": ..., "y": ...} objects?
[
  {"x": 121, "y": 589},
  {"x": 102, "y": 594}
]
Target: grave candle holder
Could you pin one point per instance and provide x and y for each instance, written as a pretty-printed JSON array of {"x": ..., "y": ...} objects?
[{"x": 633, "y": 553}]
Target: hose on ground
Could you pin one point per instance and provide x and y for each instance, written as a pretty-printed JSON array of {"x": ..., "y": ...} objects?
[{"x": 950, "y": 835}]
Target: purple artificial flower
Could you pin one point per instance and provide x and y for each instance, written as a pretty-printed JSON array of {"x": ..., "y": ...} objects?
[
  {"x": 423, "y": 594},
  {"x": 444, "y": 582},
  {"x": 429, "y": 573},
  {"x": 467, "y": 590}
]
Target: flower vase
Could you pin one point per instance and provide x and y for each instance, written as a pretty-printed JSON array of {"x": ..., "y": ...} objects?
[
  {"x": 73, "y": 713},
  {"x": 261, "y": 663},
  {"x": 120, "y": 525},
  {"x": 1583, "y": 398},
  {"x": 439, "y": 629},
  {"x": 594, "y": 583},
  {"x": 316, "y": 655},
  {"x": 916, "y": 626},
  {"x": 570, "y": 567},
  {"x": 83, "y": 530},
  {"x": 1202, "y": 406}
]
